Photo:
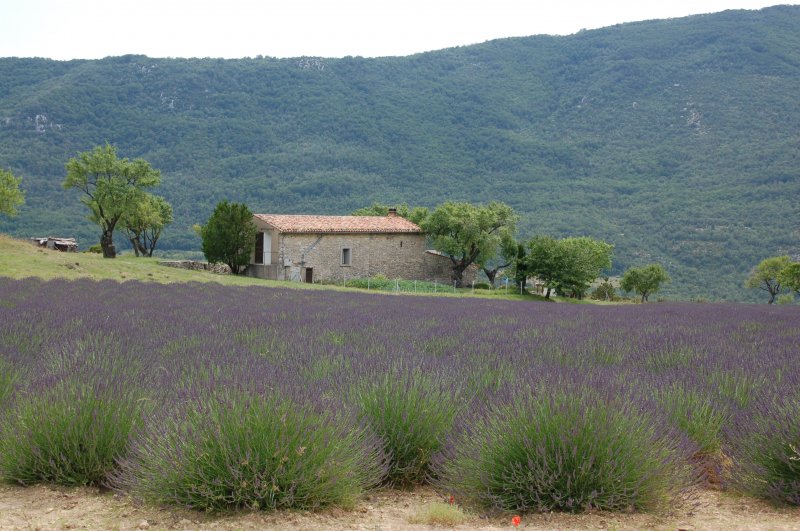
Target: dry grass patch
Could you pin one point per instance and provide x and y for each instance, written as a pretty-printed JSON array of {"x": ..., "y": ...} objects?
[{"x": 438, "y": 513}]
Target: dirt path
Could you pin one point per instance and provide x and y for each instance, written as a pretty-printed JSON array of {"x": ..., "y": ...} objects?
[{"x": 44, "y": 507}]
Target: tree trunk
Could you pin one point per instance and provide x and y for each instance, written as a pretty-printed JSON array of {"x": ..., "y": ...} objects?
[
  {"x": 107, "y": 244},
  {"x": 458, "y": 274},
  {"x": 135, "y": 246},
  {"x": 491, "y": 274},
  {"x": 547, "y": 296}
]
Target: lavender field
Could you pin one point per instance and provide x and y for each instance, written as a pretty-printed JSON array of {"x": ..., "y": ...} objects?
[{"x": 216, "y": 397}]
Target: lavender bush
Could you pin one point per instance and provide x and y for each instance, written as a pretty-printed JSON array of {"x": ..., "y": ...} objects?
[
  {"x": 564, "y": 450},
  {"x": 71, "y": 434},
  {"x": 7, "y": 377},
  {"x": 402, "y": 373},
  {"x": 766, "y": 450},
  {"x": 231, "y": 451},
  {"x": 412, "y": 413}
]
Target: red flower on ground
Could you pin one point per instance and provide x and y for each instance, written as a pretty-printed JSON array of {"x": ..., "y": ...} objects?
[
  {"x": 516, "y": 520},
  {"x": 452, "y": 499}
]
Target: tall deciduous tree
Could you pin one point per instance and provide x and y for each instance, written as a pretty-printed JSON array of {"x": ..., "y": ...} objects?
[
  {"x": 111, "y": 187},
  {"x": 467, "y": 233},
  {"x": 144, "y": 223},
  {"x": 10, "y": 195},
  {"x": 765, "y": 276},
  {"x": 229, "y": 235},
  {"x": 644, "y": 280}
]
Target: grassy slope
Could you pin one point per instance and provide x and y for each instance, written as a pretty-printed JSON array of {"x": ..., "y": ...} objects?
[{"x": 19, "y": 259}]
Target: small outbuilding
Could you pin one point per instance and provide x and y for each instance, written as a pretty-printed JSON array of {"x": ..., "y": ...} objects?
[
  {"x": 309, "y": 248},
  {"x": 67, "y": 245}
]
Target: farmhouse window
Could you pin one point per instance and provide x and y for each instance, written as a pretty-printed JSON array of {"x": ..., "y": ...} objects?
[{"x": 346, "y": 256}]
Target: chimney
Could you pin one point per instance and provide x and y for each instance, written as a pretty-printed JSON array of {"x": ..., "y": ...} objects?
[{"x": 392, "y": 213}]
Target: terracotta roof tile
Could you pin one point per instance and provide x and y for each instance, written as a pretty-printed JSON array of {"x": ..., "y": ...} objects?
[{"x": 314, "y": 224}]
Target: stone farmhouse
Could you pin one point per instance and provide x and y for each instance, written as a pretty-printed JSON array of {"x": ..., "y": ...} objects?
[{"x": 305, "y": 248}]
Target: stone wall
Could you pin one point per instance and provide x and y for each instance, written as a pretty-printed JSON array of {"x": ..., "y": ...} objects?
[
  {"x": 391, "y": 255},
  {"x": 221, "y": 269}
]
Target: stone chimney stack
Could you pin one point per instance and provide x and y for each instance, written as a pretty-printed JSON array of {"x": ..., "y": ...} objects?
[{"x": 392, "y": 213}]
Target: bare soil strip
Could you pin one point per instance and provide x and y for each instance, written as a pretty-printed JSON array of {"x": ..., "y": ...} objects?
[{"x": 47, "y": 507}]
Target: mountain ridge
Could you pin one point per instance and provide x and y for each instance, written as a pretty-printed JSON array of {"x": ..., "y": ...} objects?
[{"x": 676, "y": 140}]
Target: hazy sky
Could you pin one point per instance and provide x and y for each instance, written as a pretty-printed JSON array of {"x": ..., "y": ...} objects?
[{"x": 67, "y": 29}]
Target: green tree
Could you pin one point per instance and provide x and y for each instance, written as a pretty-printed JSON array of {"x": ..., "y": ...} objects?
[
  {"x": 569, "y": 265},
  {"x": 644, "y": 280},
  {"x": 544, "y": 260},
  {"x": 111, "y": 187},
  {"x": 10, "y": 195},
  {"x": 582, "y": 260},
  {"x": 144, "y": 223},
  {"x": 414, "y": 215},
  {"x": 229, "y": 235},
  {"x": 521, "y": 267},
  {"x": 789, "y": 277},
  {"x": 469, "y": 233},
  {"x": 765, "y": 276},
  {"x": 506, "y": 256}
]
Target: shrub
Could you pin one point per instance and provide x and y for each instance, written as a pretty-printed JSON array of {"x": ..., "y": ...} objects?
[
  {"x": 562, "y": 452},
  {"x": 766, "y": 450},
  {"x": 482, "y": 285},
  {"x": 412, "y": 414},
  {"x": 71, "y": 434},
  {"x": 604, "y": 292},
  {"x": 253, "y": 452},
  {"x": 96, "y": 249}
]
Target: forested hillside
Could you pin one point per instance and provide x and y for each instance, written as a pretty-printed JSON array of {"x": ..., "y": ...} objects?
[{"x": 675, "y": 140}]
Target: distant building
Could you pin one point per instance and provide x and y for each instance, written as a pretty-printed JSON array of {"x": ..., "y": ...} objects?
[
  {"x": 332, "y": 248},
  {"x": 67, "y": 245}
]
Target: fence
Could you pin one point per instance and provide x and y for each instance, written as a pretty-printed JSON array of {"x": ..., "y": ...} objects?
[{"x": 424, "y": 286}]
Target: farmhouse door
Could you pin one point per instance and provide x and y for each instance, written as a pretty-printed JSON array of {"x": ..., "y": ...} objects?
[
  {"x": 309, "y": 275},
  {"x": 259, "y": 258}
]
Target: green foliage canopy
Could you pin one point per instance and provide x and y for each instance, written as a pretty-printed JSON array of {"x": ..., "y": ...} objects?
[
  {"x": 111, "y": 187},
  {"x": 469, "y": 233},
  {"x": 570, "y": 264},
  {"x": 10, "y": 195},
  {"x": 644, "y": 280},
  {"x": 766, "y": 274},
  {"x": 789, "y": 277},
  {"x": 229, "y": 235},
  {"x": 584, "y": 259}
]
